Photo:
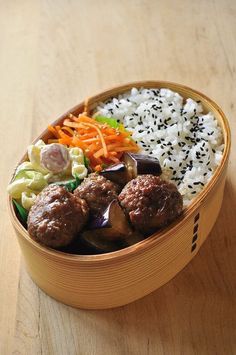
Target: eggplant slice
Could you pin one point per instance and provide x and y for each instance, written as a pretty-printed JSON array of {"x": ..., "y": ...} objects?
[
  {"x": 132, "y": 166},
  {"x": 140, "y": 164},
  {"x": 111, "y": 231},
  {"x": 117, "y": 173},
  {"x": 94, "y": 244}
]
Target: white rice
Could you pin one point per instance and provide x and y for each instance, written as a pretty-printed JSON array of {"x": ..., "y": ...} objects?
[{"x": 187, "y": 142}]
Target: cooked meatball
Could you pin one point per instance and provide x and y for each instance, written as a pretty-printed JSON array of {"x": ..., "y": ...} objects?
[
  {"x": 150, "y": 202},
  {"x": 98, "y": 192},
  {"x": 56, "y": 217}
]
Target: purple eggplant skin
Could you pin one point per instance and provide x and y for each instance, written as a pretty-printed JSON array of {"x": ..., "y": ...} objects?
[
  {"x": 112, "y": 224},
  {"x": 95, "y": 244},
  {"x": 116, "y": 173},
  {"x": 110, "y": 232},
  {"x": 140, "y": 164},
  {"x": 132, "y": 166}
]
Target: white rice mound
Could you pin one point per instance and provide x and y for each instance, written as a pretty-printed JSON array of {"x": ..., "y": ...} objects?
[{"x": 187, "y": 142}]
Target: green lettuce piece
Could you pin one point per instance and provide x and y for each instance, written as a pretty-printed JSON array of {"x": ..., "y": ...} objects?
[
  {"x": 110, "y": 121},
  {"x": 23, "y": 213},
  {"x": 86, "y": 161}
]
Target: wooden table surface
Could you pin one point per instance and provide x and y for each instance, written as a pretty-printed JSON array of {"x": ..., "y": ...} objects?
[{"x": 52, "y": 55}]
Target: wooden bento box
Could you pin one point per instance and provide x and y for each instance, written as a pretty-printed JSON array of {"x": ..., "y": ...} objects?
[{"x": 117, "y": 278}]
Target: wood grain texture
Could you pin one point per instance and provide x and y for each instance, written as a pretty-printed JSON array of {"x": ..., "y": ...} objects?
[{"x": 52, "y": 55}]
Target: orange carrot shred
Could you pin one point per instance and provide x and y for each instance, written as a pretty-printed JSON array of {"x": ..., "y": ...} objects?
[{"x": 101, "y": 143}]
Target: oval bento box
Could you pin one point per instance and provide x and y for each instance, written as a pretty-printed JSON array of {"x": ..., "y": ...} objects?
[{"x": 117, "y": 278}]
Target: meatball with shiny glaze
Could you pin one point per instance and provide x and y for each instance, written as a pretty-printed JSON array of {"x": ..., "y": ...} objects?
[
  {"x": 150, "y": 202},
  {"x": 56, "y": 217},
  {"x": 98, "y": 192}
]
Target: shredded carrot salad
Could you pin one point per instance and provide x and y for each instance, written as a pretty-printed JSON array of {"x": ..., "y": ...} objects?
[{"x": 102, "y": 144}]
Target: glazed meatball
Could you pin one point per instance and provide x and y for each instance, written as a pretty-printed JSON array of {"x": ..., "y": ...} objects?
[
  {"x": 150, "y": 202},
  {"x": 56, "y": 217},
  {"x": 98, "y": 192}
]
